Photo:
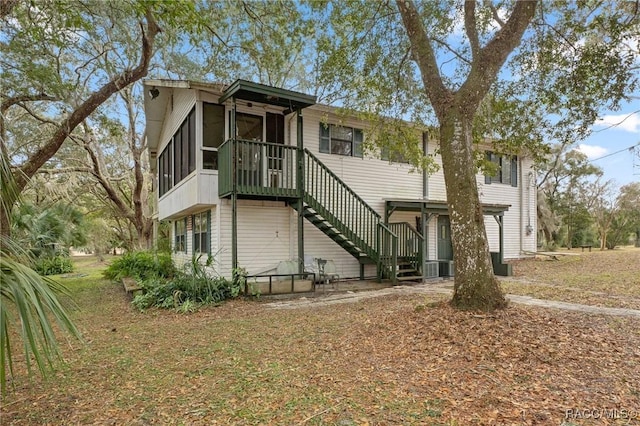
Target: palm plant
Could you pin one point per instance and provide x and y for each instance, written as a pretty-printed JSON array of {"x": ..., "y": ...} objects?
[{"x": 28, "y": 302}]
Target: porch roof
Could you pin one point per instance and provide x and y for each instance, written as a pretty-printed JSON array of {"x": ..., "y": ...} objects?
[
  {"x": 255, "y": 92},
  {"x": 436, "y": 206}
]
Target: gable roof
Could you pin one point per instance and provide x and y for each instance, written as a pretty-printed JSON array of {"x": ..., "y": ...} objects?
[{"x": 158, "y": 92}]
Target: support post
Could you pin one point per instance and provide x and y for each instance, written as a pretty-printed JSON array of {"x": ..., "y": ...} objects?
[
  {"x": 500, "y": 225},
  {"x": 499, "y": 219},
  {"x": 234, "y": 193},
  {"x": 300, "y": 184},
  {"x": 425, "y": 246}
]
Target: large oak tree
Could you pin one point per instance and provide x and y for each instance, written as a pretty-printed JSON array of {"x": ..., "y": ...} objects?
[{"x": 516, "y": 74}]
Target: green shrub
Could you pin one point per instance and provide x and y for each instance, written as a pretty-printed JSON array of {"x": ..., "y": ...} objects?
[
  {"x": 53, "y": 265},
  {"x": 141, "y": 265},
  {"x": 189, "y": 288}
]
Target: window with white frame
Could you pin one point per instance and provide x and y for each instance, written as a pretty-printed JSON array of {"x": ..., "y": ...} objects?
[
  {"x": 180, "y": 233},
  {"x": 341, "y": 140},
  {"x": 202, "y": 232}
]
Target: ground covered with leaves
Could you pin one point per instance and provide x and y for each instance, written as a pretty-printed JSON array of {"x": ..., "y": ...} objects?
[
  {"x": 405, "y": 359},
  {"x": 608, "y": 278}
]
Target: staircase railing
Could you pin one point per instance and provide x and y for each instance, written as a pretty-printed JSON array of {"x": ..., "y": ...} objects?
[
  {"x": 387, "y": 243},
  {"x": 410, "y": 245},
  {"x": 257, "y": 168},
  {"x": 330, "y": 197},
  {"x": 252, "y": 168}
]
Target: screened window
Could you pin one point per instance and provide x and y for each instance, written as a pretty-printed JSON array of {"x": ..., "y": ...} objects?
[
  {"x": 212, "y": 134},
  {"x": 341, "y": 140},
  {"x": 507, "y": 169},
  {"x": 248, "y": 126},
  {"x": 165, "y": 175},
  {"x": 181, "y": 235},
  {"x": 202, "y": 232},
  {"x": 184, "y": 146}
]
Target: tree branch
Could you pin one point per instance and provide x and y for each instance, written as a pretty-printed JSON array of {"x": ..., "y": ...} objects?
[
  {"x": 423, "y": 54},
  {"x": 491, "y": 57},
  {"x": 96, "y": 171},
  {"x": 450, "y": 49},
  {"x": 97, "y": 98},
  {"x": 494, "y": 13},
  {"x": 470, "y": 27},
  {"x": 9, "y": 102},
  {"x": 65, "y": 170}
]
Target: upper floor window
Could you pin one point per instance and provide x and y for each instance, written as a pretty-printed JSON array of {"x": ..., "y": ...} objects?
[
  {"x": 393, "y": 156},
  {"x": 212, "y": 134},
  {"x": 507, "y": 169},
  {"x": 178, "y": 158},
  {"x": 341, "y": 140},
  {"x": 165, "y": 167}
]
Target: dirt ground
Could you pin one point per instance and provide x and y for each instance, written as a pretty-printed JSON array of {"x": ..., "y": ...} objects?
[{"x": 405, "y": 359}]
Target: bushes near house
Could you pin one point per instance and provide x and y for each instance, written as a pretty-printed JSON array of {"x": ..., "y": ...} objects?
[
  {"x": 164, "y": 286},
  {"x": 193, "y": 286},
  {"x": 141, "y": 265}
]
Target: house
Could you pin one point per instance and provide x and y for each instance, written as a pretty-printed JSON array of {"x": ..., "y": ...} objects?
[{"x": 256, "y": 176}]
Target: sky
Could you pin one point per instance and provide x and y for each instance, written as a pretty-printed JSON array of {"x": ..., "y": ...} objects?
[{"x": 608, "y": 144}]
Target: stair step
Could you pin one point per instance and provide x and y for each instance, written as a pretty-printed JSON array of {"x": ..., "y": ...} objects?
[
  {"x": 406, "y": 271},
  {"x": 410, "y": 278}
]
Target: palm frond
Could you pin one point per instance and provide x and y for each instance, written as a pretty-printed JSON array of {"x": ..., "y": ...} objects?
[{"x": 34, "y": 300}]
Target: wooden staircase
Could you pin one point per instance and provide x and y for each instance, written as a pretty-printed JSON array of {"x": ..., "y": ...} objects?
[{"x": 327, "y": 202}]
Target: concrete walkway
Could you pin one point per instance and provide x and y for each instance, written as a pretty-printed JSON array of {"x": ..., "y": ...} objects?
[{"x": 445, "y": 287}]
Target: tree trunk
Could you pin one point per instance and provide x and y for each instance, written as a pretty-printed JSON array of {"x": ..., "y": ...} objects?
[
  {"x": 44, "y": 153},
  {"x": 475, "y": 286}
]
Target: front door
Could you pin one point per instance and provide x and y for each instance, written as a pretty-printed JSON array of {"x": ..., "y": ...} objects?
[
  {"x": 275, "y": 135},
  {"x": 445, "y": 250},
  {"x": 249, "y": 129}
]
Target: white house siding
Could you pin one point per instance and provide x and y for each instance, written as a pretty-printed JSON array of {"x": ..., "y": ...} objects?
[
  {"x": 515, "y": 220},
  {"x": 373, "y": 179},
  {"x": 183, "y": 101},
  {"x": 180, "y": 258},
  {"x": 264, "y": 237},
  {"x": 183, "y": 197},
  {"x": 437, "y": 189},
  {"x": 521, "y": 212}
]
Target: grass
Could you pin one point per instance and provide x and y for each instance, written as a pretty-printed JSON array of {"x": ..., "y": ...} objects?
[
  {"x": 608, "y": 278},
  {"x": 379, "y": 361}
]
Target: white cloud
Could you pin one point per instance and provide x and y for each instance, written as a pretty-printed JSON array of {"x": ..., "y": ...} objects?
[
  {"x": 626, "y": 122},
  {"x": 592, "y": 151}
]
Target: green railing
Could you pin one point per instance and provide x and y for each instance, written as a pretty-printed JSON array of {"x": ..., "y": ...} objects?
[
  {"x": 253, "y": 168},
  {"x": 330, "y": 197},
  {"x": 409, "y": 243},
  {"x": 257, "y": 169},
  {"x": 387, "y": 243}
]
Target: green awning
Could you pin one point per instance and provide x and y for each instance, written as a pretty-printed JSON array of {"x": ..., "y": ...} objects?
[{"x": 255, "y": 92}]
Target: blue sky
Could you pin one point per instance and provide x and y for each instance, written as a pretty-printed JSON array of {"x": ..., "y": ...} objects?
[{"x": 616, "y": 131}]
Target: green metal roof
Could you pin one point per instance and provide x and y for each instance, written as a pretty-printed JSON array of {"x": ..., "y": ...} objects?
[{"x": 255, "y": 92}]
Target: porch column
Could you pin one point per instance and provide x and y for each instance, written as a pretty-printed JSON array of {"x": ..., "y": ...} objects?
[
  {"x": 425, "y": 245},
  {"x": 300, "y": 183},
  {"x": 499, "y": 219},
  {"x": 234, "y": 193}
]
